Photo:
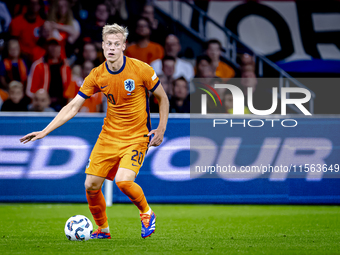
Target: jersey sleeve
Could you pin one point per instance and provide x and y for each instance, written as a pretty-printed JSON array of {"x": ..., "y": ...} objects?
[
  {"x": 89, "y": 86},
  {"x": 150, "y": 78}
]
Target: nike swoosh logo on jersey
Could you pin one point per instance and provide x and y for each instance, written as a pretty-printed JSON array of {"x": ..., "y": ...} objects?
[
  {"x": 102, "y": 87},
  {"x": 134, "y": 164}
]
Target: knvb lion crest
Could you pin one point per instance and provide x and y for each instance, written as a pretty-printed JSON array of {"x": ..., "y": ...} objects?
[{"x": 129, "y": 85}]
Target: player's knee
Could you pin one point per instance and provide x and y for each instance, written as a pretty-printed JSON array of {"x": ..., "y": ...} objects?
[
  {"x": 90, "y": 185},
  {"x": 124, "y": 185},
  {"x": 125, "y": 175}
]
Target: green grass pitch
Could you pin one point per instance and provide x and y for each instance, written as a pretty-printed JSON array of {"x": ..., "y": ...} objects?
[{"x": 180, "y": 229}]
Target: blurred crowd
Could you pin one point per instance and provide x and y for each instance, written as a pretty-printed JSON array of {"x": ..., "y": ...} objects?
[{"x": 48, "y": 47}]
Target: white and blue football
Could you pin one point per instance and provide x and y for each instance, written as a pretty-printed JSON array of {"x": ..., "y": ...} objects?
[{"x": 78, "y": 228}]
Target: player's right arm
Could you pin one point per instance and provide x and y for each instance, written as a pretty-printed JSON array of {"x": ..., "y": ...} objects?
[
  {"x": 65, "y": 114},
  {"x": 88, "y": 88}
]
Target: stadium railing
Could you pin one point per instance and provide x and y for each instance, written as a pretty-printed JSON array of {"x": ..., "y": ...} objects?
[{"x": 232, "y": 45}]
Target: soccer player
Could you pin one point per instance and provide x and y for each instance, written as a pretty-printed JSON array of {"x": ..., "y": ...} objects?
[{"x": 126, "y": 134}]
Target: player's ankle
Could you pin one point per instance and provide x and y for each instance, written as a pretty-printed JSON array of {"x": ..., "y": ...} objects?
[
  {"x": 147, "y": 212},
  {"x": 105, "y": 227},
  {"x": 106, "y": 230}
]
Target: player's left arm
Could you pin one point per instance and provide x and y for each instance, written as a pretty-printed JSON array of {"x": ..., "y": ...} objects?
[{"x": 163, "y": 103}]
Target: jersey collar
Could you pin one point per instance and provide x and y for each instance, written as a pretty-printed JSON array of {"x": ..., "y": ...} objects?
[{"x": 120, "y": 70}]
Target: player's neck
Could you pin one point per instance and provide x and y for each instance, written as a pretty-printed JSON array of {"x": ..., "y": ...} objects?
[{"x": 115, "y": 66}]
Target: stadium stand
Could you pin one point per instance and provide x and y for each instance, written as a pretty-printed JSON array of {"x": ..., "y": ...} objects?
[{"x": 76, "y": 26}]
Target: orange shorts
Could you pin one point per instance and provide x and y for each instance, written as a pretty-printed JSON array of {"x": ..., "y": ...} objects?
[{"x": 107, "y": 156}]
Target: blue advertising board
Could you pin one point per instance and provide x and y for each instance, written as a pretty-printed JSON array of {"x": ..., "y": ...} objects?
[{"x": 52, "y": 169}]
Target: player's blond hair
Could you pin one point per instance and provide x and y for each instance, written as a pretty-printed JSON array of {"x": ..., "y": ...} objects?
[{"x": 115, "y": 29}]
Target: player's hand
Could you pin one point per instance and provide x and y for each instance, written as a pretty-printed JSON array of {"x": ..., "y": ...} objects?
[
  {"x": 157, "y": 139},
  {"x": 32, "y": 137}
]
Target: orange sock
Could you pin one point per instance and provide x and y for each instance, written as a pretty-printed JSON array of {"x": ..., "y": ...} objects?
[
  {"x": 97, "y": 206},
  {"x": 105, "y": 225},
  {"x": 135, "y": 193}
]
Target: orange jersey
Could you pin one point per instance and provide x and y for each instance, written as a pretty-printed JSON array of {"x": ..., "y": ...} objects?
[
  {"x": 148, "y": 54},
  {"x": 128, "y": 116},
  {"x": 26, "y": 32},
  {"x": 224, "y": 71},
  {"x": 93, "y": 104}
]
